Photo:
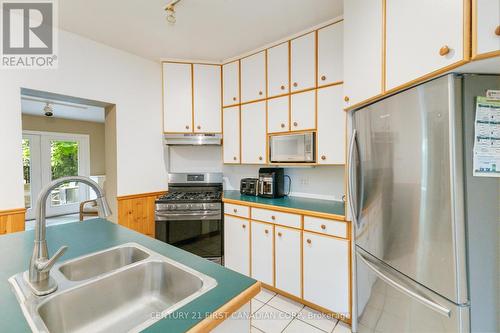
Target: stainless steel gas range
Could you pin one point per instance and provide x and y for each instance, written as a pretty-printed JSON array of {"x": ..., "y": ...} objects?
[{"x": 189, "y": 216}]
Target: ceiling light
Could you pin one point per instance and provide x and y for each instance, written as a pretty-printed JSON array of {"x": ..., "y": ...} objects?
[
  {"x": 170, "y": 14},
  {"x": 48, "y": 110},
  {"x": 170, "y": 11}
]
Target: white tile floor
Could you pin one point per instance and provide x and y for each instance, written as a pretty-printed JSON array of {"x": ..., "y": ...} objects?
[{"x": 274, "y": 313}]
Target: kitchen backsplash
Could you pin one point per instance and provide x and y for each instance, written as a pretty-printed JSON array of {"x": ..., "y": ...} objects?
[{"x": 323, "y": 182}]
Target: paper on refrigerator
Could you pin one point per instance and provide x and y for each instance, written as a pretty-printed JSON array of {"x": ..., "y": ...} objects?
[{"x": 487, "y": 138}]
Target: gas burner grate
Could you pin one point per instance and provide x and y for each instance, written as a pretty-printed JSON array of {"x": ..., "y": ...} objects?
[{"x": 192, "y": 196}]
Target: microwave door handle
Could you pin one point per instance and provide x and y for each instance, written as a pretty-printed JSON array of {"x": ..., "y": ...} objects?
[{"x": 418, "y": 297}]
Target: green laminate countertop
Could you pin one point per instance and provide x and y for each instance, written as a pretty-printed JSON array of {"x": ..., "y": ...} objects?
[
  {"x": 98, "y": 234},
  {"x": 298, "y": 204}
]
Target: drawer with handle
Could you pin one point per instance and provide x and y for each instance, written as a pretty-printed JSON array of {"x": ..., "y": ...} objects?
[
  {"x": 236, "y": 210},
  {"x": 286, "y": 219},
  {"x": 325, "y": 226}
]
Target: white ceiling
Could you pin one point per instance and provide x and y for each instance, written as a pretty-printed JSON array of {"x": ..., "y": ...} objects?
[
  {"x": 66, "y": 111},
  {"x": 211, "y": 30}
]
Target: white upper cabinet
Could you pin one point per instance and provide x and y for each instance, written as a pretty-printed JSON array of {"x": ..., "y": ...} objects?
[
  {"x": 330, "y": 54},
  {"x": 326, "y": 272},
  {"x": 422, "y": 37},
  {"x": 177, "y": 98},
  {"x": 207, "y": 98},
  {"x": 231, "y": 83},
  {"x": 362, "y": 50},
  {"x": 253, "y": 77},
  {"x": 331, "y": 126},
  {"x": 303, "y": 111},
  {"x": 278, "y": 114},
  {"x": 277, "y": 70},
  {"x": 253, "y": 133},
  {"x": 231, "y": 135},
  {"x": 487, "y": 21},
  {"x": 303, "y": 62},
  {"x": 262, "y": 252}
]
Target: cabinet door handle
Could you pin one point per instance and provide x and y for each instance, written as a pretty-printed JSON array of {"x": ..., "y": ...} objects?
[
  {"x": 323, "y": 226},
  {"x": 243, "y": 226},
  {"x": 187, "y": 126},
  {"x": 260, "y": 158},
  {"x": 444, "y": 50},
  {"x": 323, "y": 157},
  {"x": 323, "y": 78},
  {"x": 266, "y": 231},
  {"x": 279, "y": 234},
  {"x": 234, "y": 99},
  {"x": 497, "y": 31},
  {"x": 282, "y": 125},
  {"x": 282, "y": 87},
  {"x": 295, "y": 124},
  {"x": 346, "y": 98},
  {"x": 260, "y": 92},
  {"x": 308, "y": 241},
  {"x": 198, "y": 127},
  {"x": 235, "y": 210},
  {"x": 273, "y": 217},
  {"x": 234, "y": 158},
  {"x": 295, "y": 84}
]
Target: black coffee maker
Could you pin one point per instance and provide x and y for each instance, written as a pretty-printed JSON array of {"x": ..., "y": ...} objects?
[{"x": 271, "y": 182}]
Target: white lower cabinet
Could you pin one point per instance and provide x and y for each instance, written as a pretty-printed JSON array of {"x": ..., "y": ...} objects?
[
  {"x": 288, "y": 266},
  {"x": 262, "y": 252},
  {"x": 326, "y": 272},
  {"x": 237, "y": 244}
]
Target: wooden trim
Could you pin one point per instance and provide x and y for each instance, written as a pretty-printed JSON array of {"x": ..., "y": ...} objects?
[
  {"x": 189, "y": 62},
  {"x": 140, "y": 195},
  {"x": 491, "y": 54},
  {"x": 467, "y": 30},
  {"x": 225, "y": 311},
  {"x": 12, "y": 211},
  {"x": 384, "y": 44},
  {"x": 309, "y": 130},
  {"x": 162, "y": 97},
  {"x": 407, "y": 85},
  {"x": 192, "y": 98},
  {"x": 307, "y": 303},
  {"x": 254, "y": 101},
  {"x": 286, "y": 209},
  {"x": 336, "y": 83},
  {"x": 12, "y": 220},
  {"x": 474, "y": 29}
]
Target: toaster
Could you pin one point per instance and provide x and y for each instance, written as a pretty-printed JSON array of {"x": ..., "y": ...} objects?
[{"x": 249, "y": 186}]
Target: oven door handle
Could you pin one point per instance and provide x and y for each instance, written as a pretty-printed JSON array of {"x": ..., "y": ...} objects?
[{"x": 199, "y": 213}]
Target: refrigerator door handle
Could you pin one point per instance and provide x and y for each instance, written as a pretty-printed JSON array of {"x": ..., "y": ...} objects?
[
  {"x": 353, "y": 204},
  {"x": 422, "y": 299}
]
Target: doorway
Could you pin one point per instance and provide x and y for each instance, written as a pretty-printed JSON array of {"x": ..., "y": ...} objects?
[{"x": 48, "y": 156}]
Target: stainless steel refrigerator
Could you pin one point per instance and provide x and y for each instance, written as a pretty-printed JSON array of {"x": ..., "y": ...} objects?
[{"x": 426, "y": 250}]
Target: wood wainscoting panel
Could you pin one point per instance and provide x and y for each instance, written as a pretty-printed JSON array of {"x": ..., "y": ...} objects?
[
  {"x": 137, "y": 212},
  {"x": 12, "y": 220}
]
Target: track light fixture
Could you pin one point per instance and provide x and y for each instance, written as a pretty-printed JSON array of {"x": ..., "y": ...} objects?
[{"x": 170, "y": 11}]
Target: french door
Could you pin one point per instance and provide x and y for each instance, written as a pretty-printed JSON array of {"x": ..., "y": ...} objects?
[{"x": 48, "y": 156}]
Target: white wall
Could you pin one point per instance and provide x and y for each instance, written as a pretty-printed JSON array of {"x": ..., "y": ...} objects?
[
  {"x": 322, "y": 182},
  {"x": 97, "y": 72}
]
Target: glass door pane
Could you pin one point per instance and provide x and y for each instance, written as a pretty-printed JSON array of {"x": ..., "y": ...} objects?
[
  {"x": 31, "y": 172},
  {"x": 63, "y": 163}
]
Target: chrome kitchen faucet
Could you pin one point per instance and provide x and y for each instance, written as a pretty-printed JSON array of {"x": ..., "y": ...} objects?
[{"x": 39, "y": 270}]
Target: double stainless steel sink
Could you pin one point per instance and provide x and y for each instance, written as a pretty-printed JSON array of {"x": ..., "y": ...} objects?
[{"x": 121, "y": 289}]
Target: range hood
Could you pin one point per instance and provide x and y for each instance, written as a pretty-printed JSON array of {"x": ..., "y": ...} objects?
[{"x": 193, "y": 139}]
